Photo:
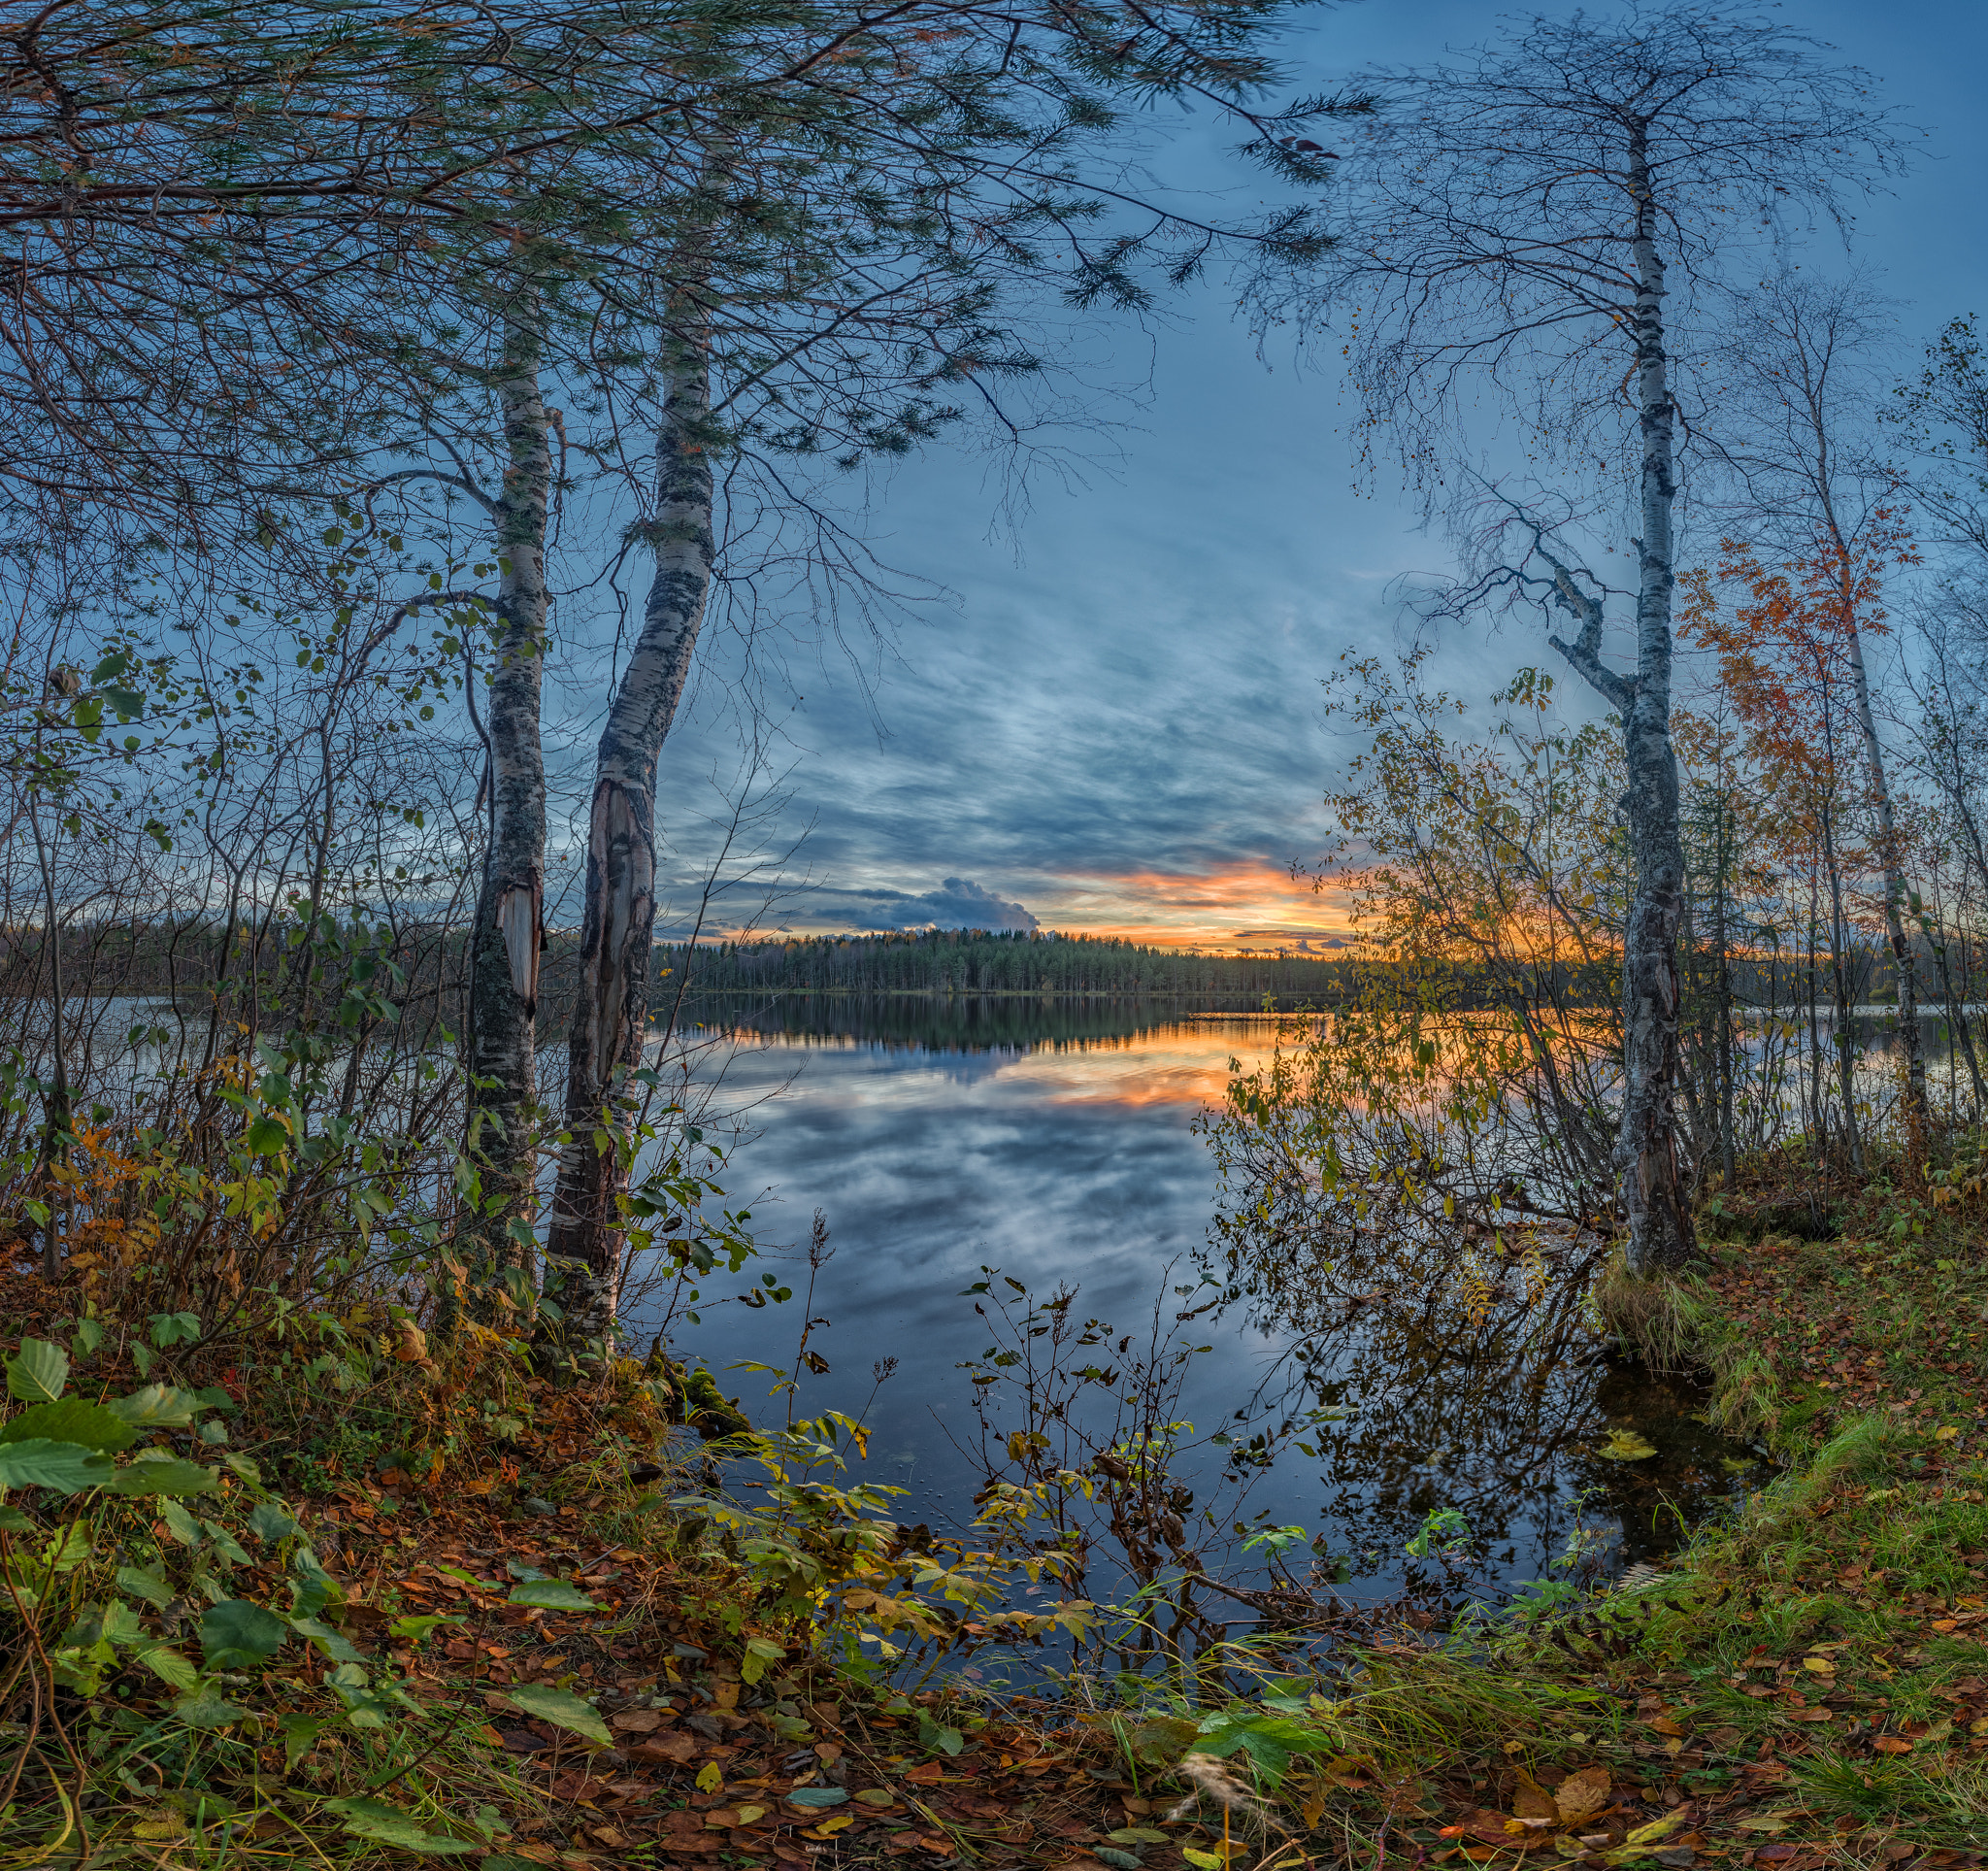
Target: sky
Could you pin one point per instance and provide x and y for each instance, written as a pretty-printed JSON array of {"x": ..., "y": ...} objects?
[{"x": 1112, "y": 721}]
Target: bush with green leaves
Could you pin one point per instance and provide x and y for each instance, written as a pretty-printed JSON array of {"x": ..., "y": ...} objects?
[{"x": 115, "y": 1548}]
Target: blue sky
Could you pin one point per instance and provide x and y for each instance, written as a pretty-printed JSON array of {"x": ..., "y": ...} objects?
[{"x": 1113, "y": 723}]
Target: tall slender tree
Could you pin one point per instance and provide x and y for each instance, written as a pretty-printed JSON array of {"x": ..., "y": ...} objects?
[
  {"x": 1799, "y": 362},
  {"x": 840, "y": 292},
  {"x": 1552, "y": 217}
]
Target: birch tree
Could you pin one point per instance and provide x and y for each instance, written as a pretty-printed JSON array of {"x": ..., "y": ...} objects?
[
  {"x": 862, "y": 316},
  {"x": 1546, "y": 223},
  {"x": 509, "y": 931}
]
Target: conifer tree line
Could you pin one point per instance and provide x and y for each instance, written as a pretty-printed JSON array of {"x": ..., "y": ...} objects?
[{"x": 981, "y": 962}]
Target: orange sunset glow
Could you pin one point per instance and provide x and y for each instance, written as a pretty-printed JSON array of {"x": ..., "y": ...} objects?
[{"x": 1246, "y": 904}]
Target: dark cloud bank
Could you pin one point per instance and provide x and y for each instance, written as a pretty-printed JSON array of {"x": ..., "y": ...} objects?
[{"x": 956, "y": 904}]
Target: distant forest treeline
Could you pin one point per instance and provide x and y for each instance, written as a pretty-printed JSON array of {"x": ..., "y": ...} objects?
[
  {"x": 262, "y": 971},
  {"x": 976, "y": 961}
]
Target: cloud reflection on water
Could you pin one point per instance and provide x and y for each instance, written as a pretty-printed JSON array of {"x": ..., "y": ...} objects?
[{"x": 1075, "y": 1161}]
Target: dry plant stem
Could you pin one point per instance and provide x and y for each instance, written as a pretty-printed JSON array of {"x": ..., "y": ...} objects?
[{"x": 58, "y": 1118}]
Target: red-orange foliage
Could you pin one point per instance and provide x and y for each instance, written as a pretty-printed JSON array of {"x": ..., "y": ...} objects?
[{"x": 1786, "y": 656}]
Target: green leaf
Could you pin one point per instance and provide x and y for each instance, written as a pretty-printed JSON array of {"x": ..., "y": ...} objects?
[
  {"x": 67, "y": 1550},
  {"x": 164, "y": 1475},
  {"x": 269, "y": 1136},
  {"x": 314, "y": 1587},
  {"x": 158, "y": 1406},
  {"x": 201, "y": 1708},
  {"x": 13, "y": 1521},
  {"x": 225, "y": 1544},
  {"x": 270, "y": 1521},
  {"x": 37, "y": 1372},
  {"x": 933, "y": 1734},
  {"x": 70, "y": 1420},
  {"x": 166, "y": 1663},
  {"x": 238, "y": 1635},
  {"x": 818, "y": 1797},
  {"x": 121, "y": 1624},
  {"x": 179, "y": 1523},
  {"x": 414, "y": 1630},
  {"x": 554, "y": 1594},
  {"x": 140, "y": 1581},
  {"x": 68, "y": 1467},
  {"x": 340, "y": 1649},
  {"x": 299, "y": 1731},
  {"x": 561, "y": 1709},
  {"x": 372, "y": 1818},
  {"x": 1625, "y": 1445}
]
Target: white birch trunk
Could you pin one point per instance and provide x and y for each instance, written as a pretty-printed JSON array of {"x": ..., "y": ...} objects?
[
  {"x": 611, "y": 1000},
  {"x": 1659, "y": 1230},
  {"x": 509, "y": 930}
]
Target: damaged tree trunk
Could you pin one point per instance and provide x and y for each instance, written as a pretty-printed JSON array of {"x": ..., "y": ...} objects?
[
  {"x": 509, "y": 931},
  {"x": 611, "y": 1001}
]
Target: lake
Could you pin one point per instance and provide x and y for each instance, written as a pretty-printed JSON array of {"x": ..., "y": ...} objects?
[{"x": 1055, "y": 1143}]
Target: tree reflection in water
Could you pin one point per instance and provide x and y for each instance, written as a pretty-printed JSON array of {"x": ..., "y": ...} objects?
[{"x": 1463, "y": 1368}]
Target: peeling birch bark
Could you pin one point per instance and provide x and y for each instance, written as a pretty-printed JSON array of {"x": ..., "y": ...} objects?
[
  {"x": 1654, "y": 1196},
  {"x": 509, "y": 925},
  {"x": 1659, "y": 1230},
  {"x": 611, "y": 1001}
]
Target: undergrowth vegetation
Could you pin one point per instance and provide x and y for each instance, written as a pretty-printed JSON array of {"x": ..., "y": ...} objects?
[
  {"x": 320, "y": 1543},
  {"x": 330, "y": 1582}
]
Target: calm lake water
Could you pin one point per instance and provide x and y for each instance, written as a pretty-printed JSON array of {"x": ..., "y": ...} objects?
[{"x": 1056, "y": 1144}]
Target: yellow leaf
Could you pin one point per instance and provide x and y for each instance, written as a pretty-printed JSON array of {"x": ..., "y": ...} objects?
[
  {"x": 829, "y": 1827},
  {"x": 1656, "y": 1830},
  {"x": 1581, "y": 1794},
  {"x": 748, "y": 1814},
  {"x": 1203, "y": 1860},
  {"x": 708, "y": 1779},
  {"x": 1946, "y": 1434},
  {"x": 1821, "y": 1665},
  {"x": 1625, "y": 1445}
]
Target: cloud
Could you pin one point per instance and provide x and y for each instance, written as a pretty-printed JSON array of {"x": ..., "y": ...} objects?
[
  {"x": 1306, "y": 941},
  {"x": 958, "y": 904}
]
